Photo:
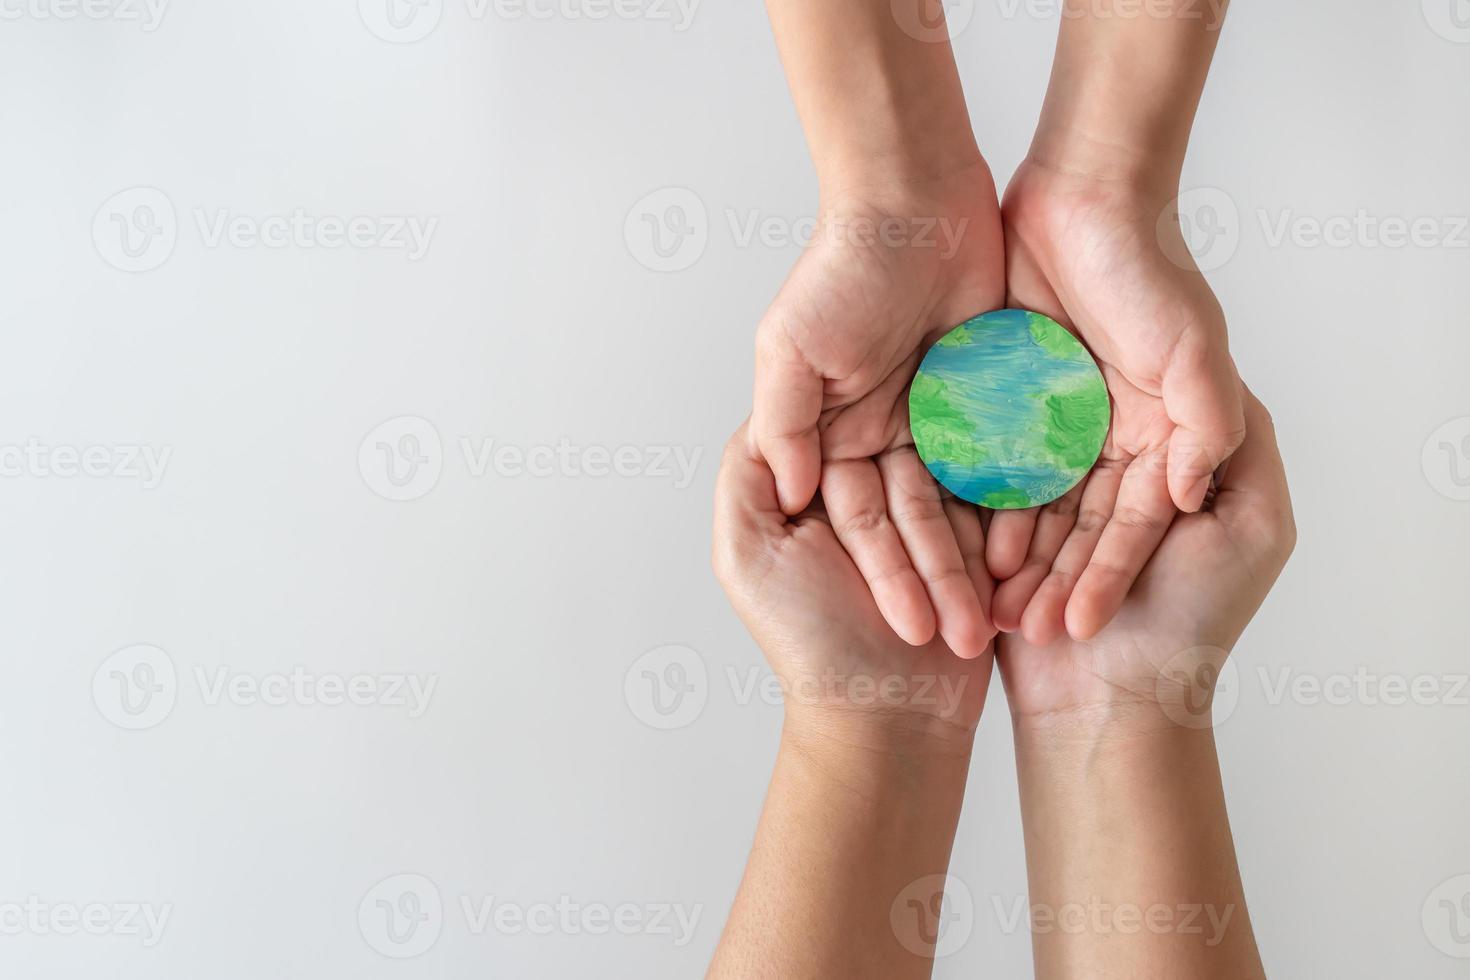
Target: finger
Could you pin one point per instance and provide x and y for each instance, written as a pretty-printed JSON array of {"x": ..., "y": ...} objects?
[
  {"x": 1141, "y": 516},
  {"x": 852, "y": 491},
  {"x": 1253, "y": 499},
  {"x": 1053, "y": 523},
  {"x": 1043, "y": 619},
  {"x": 1202, "y": 396},
  {"x": 746, "y": 511},
  {"x": 1008, "y": 541},
  {"x": 969, "y": 534},
  {"x": 788, "y": 403},
  {"x": 914, "y": 506}
]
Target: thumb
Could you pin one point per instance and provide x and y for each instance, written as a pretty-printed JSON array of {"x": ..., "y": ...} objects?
[
  {"x": 783, "y": 424},
  {"x": 1202, "y": 395}
]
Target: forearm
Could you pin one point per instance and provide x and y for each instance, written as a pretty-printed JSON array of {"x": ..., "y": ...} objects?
[
  {"x": 1129, "y": 854},
  {"x": 1125, "y": 87},
  {"x": 878, "y": 104},
  {"x": 852, "y": 820}
]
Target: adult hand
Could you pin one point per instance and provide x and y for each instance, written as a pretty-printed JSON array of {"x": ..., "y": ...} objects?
[{"x": 1095, "y": 255}]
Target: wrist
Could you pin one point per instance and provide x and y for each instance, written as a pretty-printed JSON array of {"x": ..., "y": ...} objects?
[
  {"x": 1148, "y": 168},
  {"x": 1117, "y": 723},
  {"x": 872, "y": 739},
  {"x": 894, "y": 163},
  {"x": 877, "y": 90},
  {"x": 1124, "y": 91},
  {"x": 935, "y": 184}
]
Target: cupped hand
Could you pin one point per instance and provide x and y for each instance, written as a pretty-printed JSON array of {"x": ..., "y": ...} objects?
[
  {"x": 807, "y": 605},
  {"x": 1185, "y": 611},
  {"x": 888, "y": 273},
  {"x": 1106, "y": 259}
]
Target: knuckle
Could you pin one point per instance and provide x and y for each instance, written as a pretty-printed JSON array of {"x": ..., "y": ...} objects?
[
  {"x": 1066, "y": 505},
  {"x": 921, "y": 513},
  {"x": 1137, "y": 519},
  {"x": 862, "y": 522},
  {"x": 938, "y": 576}
]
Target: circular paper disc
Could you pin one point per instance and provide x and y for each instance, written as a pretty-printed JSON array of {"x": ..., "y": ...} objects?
[{"x": 1009, "y": 410}]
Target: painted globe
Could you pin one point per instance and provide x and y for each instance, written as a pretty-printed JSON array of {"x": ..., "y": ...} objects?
[{"x": 1009, "y": 410}]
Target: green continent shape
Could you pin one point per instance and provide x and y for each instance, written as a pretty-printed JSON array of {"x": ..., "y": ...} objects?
[
  {"x": 1077, "y": 424},
  {"x": 958, "y": 337},
  {"x": 940, "y": 429},
  {"x": 1053, "y": 338},
  {"x": 1011, "y": 498}
]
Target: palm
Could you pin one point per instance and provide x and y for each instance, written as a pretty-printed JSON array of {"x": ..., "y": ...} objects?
[
  {"x": 1098, "y": 259},
  {"x": 835, "y": 354}
]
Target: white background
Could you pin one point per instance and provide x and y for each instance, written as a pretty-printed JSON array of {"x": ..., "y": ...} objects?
[{"x": 537, "y": 773}]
